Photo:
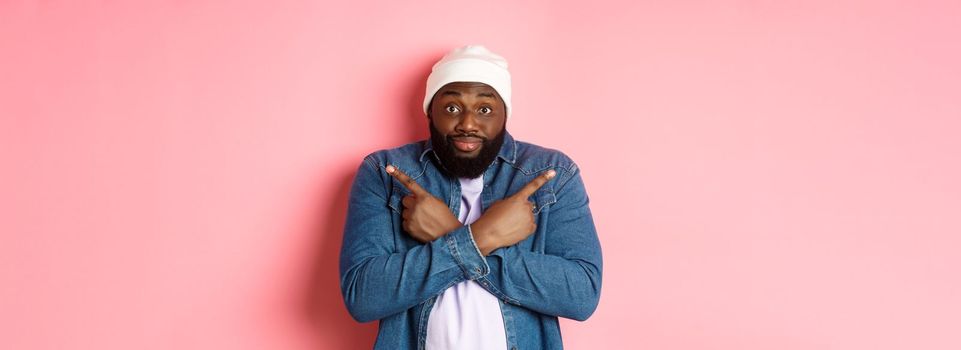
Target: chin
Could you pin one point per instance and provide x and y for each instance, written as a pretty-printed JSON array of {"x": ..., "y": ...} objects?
[{"x": 467, "y": 155}]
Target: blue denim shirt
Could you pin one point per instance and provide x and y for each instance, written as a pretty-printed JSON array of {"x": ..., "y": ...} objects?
[{"x": 386, "y": 275}]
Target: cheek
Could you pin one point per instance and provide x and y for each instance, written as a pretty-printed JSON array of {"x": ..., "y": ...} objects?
[
  {"x": 443, "y": 126},
  {"x": 494, "y": 127}
]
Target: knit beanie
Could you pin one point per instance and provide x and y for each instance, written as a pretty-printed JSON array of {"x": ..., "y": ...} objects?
[{"x": 471, "y": 63}]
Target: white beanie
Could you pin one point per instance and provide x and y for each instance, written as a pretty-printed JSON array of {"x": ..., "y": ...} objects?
[{"x": 471, "y": 63}]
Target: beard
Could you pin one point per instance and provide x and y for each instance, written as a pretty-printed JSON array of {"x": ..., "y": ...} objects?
[{"x": 469, "y": 167}]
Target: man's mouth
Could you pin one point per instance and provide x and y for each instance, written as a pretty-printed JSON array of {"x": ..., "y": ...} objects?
[{"x": 467, "y": 144}]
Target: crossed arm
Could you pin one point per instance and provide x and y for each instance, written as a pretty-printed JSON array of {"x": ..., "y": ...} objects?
[{"x": 377, "y": 281}]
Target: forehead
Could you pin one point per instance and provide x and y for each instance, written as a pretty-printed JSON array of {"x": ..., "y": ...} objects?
[{"x": 461, "y": 88}]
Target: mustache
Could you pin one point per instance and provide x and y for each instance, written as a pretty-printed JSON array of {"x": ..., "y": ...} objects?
[{"x": 466, "y": 136}]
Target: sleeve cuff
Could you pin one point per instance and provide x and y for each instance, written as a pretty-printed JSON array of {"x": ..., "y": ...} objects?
[{"x": 465, "y": 252}]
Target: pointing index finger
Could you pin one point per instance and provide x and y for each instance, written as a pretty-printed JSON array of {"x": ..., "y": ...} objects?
[
  {"x": 535, "y": 184},
  {"x": 405, "y": 180}
]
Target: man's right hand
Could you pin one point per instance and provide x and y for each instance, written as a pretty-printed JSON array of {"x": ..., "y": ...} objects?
[
  {"x": 509, "y": 220},
  {"x": 426, "y": 218}
]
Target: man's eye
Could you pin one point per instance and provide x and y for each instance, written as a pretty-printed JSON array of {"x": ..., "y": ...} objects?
[
  {"x": 452, "y": 109},
  {"x": 486, "y": 110}
]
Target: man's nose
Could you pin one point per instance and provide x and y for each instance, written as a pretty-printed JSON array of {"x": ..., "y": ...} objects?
[{"x": 468, "y": 123}]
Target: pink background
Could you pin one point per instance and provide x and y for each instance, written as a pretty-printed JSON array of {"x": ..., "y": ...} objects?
[{"x": 763, "y": 174}]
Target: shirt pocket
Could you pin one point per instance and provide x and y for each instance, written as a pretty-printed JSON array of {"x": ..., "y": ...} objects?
[
  {"x": 402, "y": 240},
  {"x": 542, "y": 198},
  {"x": 394, "y": 202}
]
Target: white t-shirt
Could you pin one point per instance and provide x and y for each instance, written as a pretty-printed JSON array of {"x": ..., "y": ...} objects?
[{"x": 466, "y": 316}]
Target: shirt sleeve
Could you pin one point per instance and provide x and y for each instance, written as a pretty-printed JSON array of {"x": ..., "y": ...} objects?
[
  {"x": 376, "y": 280},
  {"x": 564, "y": 280}
]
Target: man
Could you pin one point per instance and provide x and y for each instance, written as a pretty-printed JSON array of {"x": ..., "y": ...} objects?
[{"x": 471, "y": 239}]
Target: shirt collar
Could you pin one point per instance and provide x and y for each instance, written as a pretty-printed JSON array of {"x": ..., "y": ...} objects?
[{"x": 508, "y": 151}]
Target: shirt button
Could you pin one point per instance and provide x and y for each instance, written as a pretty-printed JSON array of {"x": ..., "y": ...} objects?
[{"x": 477, "y": 269}]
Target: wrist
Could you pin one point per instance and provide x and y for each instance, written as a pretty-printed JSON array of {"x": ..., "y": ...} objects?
[
  {"x": 445, "y": 226},
  {"x": 453, "y": 225},
  {"x": 485, "y": 242}
]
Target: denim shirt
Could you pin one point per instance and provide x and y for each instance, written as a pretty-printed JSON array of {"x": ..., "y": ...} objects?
[{"x": 386, "y": 275}]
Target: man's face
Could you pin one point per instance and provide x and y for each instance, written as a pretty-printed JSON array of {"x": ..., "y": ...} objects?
[{"x": 467, "y": 122}]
